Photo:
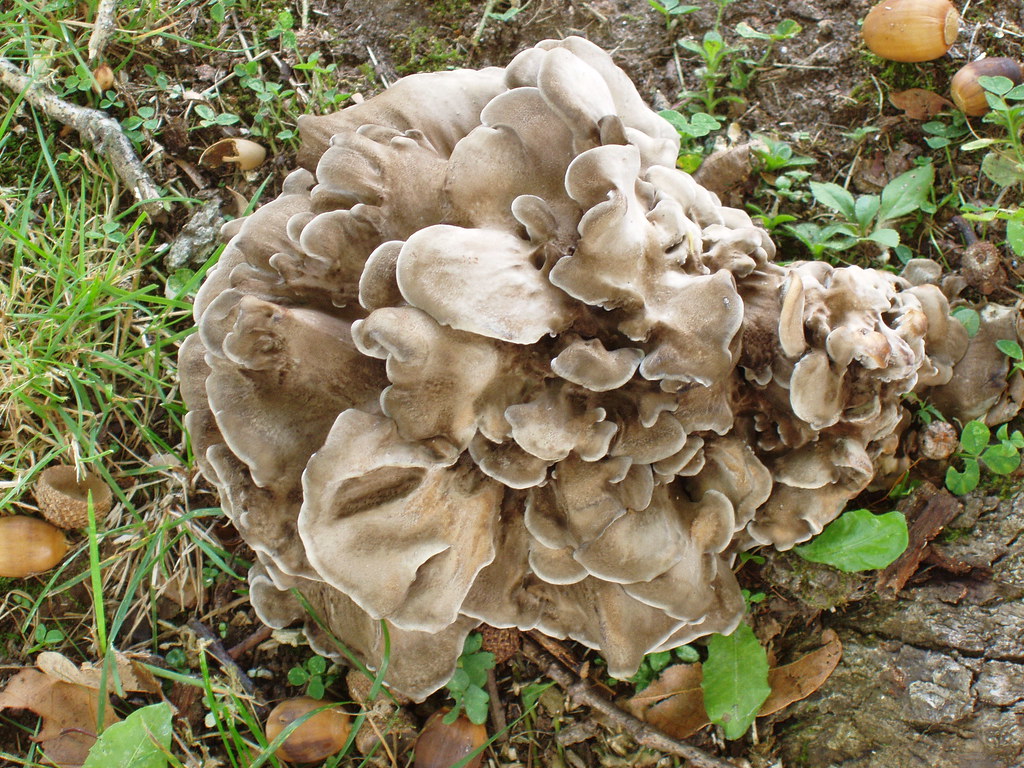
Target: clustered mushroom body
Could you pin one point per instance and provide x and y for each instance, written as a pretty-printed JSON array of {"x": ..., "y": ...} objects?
[{"x": 498, "y": 361}]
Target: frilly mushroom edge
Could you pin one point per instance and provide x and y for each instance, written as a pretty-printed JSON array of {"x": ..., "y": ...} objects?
[{"x": 491, "y": 357}]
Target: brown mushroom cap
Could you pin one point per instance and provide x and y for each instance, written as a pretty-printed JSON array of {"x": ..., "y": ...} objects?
[{"x": 63, "y": 498}]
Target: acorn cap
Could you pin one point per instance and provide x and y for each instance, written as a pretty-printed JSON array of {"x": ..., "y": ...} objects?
[{"x": 63, "y": 498}]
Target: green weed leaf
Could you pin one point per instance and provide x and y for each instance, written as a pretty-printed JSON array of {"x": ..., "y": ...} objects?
[
  {"x": 889, "y": 238},
  {"x": 1001, "y": 459},
  {"x": 1010, "y": 348},
  {"x": 1015, "y": 236},
  {"x": 906, "y": 193},
  {"x": 975, "y": 437},
  {"x": 865, "y": 209},
  {"x": 960, "y": 483},
  {"x": 141, "y": 740},
  {"x": 1002, "y": 170},
  {"x": 969, "y": 318},
  {"x": 998, "y": 85},
  {"x": 835, "y": 197},
  {"x": 858, "y": 541},
  {"x": 735, "y": 681}
]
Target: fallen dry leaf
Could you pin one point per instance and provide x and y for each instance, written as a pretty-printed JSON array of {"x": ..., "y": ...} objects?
[
  {"x": 132, "y": 675},
  {"x": 725, "y": 169},
  {"x": 919, "y": 104},
  {"x": 799, "y": 679},
  {"x": 70, "y": 713},
  {"x": 674, "y": 703}
]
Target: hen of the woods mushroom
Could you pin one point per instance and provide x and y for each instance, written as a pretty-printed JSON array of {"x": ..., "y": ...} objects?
[{"x": 491, "y": 358}]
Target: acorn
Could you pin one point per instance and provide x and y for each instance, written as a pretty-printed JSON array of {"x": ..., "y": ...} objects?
[
  {"x": 316, "y": 739},
  {"x": 968, "y": 94},
  {"x": 911, "y": 30},
  {"x": 63, "y": 497},
  {"x": 441, "y": 745},
  {"x": 29, "y": 545}
]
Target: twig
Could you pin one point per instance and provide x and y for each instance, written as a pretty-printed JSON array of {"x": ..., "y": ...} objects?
[
  {"x": 102, "y": 28},
  {"x": 498, "y": 720},
  {"x": 376, "y": 67},
  {"x": 221, "y": 654},
  {"x": 254, "y": 639},
  {"x": 642, "y": 733},
  {"x": 483, "y": 21},
  {"x": 98, "y": 127}
]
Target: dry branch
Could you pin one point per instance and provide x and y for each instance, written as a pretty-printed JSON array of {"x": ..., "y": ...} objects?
[
  {"x": 98, "y": 127},
  {"x": 102, "y": 29},
  {"x": 645, "y": 735}
]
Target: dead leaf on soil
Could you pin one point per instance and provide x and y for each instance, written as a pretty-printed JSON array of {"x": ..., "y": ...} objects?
[
  {"x": 799, "y": 679},
  {"x": 919, "y": 104},
  {"x": 133, "y": 676},
  {"x": 725, "y": 169},
  {"x": 674, "y": 703},
  {"x": 69, "y": 712}
]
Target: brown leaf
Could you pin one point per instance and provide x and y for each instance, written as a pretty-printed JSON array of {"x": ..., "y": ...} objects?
[
  {"x": 799, "y": 679},
  {"x": 919, "y": 104},
  {"x": 69, "y": 712},
  {"x": 133, "y": 676},
  {"x": 725, "y": 169},
  {"x": 674, "y": 703}
]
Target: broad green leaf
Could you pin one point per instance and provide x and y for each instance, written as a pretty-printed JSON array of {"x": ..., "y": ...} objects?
[
  {"x": 476, "y": 703},
  {"x": 786, "y": 29},
  {"x": 735, "y": 680},
  {"x": 1010, "y": 348},
  {"x": 473, "y": 643},
  {"x": 998, "y": 85},
  {"x": 460, "y": 680},
  {"x": 960, "y": 483},
  {"x": 858, "y": 541},
  {"x": 297, "y": 676},
  {"x": 476, "y": 666},
  {"x": 316, "y": 688},
  {"x": 745, "y": 30},
  {"x": 1001, "y": 459},
  {"x": 906, "y": 193},
  {"x": 1002, "y": 170},
  {"x": 969, "y": 318},
  {"x": 658, "y": 661},
  {"x": 317, "y": 665},
  {"x": 1015, "y": 236},
  {"x": 687, "y": 654},
  {"x": 701, "y": 124},
  {"x": 865, "y": 209},
  {"x": 977, "y": 144},
  {"x": 890, "y": 238},
  {"x": 835, "y": 197},
  {"x": 975, "y": 437},
  {"x": 141, "y": 740}
]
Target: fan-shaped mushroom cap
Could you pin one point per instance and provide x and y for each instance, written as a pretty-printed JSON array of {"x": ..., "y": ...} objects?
[
  {"x": 979, "y": 377},
  {"x": 499, "y": 360}
]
